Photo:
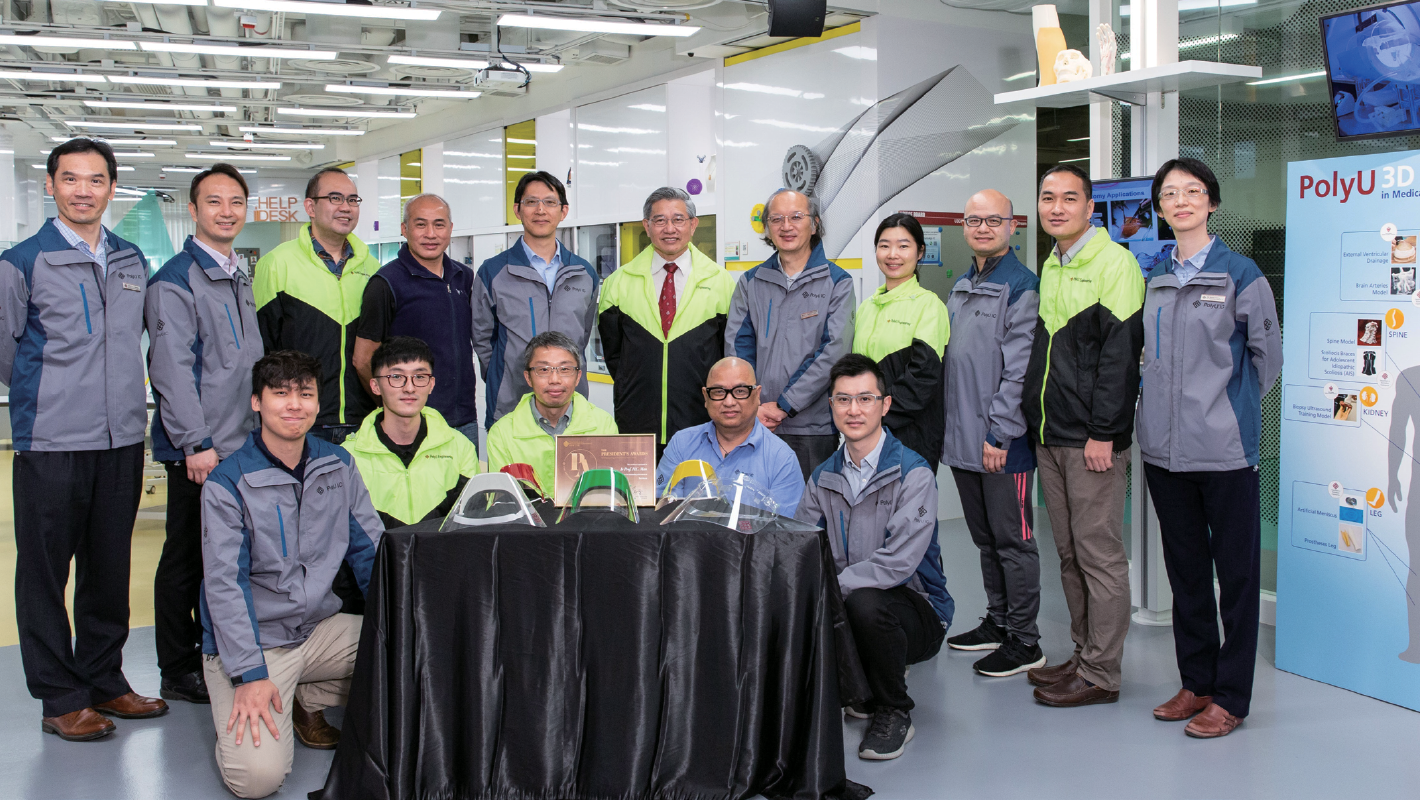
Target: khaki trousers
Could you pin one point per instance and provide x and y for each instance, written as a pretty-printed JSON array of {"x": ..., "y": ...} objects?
[
  {"x": 1087, "y": 518},
  {"x": 316, "y": 672}
]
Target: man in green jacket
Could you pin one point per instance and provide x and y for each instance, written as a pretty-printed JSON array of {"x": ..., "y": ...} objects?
[
  {"x": 553, "y": 408},
  {"x": 412, "y": 462},
  {"x": 1080, "y": 388},
  {"x": 662, "y": 322},
  {"x": 308, "y": 294}
]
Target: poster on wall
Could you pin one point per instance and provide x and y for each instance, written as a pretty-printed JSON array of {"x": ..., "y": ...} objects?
[
  {"x": 1348, "y": 593},
  {"x": 1126, "y": 209}
]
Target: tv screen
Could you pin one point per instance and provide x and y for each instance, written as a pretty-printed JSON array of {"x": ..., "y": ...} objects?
[
  {"x": 1125, "y": 209},
  {"x": 1373, "y": 65}
]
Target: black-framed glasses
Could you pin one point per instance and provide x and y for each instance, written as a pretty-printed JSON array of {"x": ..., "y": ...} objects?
[
  {"x": 544, "y": 371},
  {"x": 337, "y": 199},
  {"x": 397, "y": 381},
  {"x": 843, "y": 401},
  {"x": 741, "y": 392},
  {"x": 992, "y": 221}
]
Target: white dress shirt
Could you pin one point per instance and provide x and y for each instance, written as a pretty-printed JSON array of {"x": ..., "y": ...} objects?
[
  {"x": 658, "y": 273},
  {"x": 228, "y": 263}
]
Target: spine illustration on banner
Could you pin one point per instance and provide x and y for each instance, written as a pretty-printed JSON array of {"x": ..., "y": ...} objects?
[{"x": 1348, "y": 519}]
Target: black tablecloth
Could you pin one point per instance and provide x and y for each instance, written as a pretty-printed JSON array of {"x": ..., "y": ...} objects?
[{"x": 598, "y": 659}]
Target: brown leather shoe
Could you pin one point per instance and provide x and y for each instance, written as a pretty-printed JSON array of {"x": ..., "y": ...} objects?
[
  {"x": 1215, "y": 721},
  {"x": 312, "y": 729},
  {"x": 1045, "y": 676},
  {"x": 83, "y": 725},
  {"x": 1183, "y": 705},
  {"x": 133, "y": 706},
  {"x": 1073, "y": 691}
]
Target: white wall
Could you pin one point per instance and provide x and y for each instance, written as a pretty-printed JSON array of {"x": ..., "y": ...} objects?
[
  {"x": 473, "y": 182},
  {"x": 621, "y": 155}
]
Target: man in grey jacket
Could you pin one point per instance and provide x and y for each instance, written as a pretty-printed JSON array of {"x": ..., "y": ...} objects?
[
  {"x": 279, "y": 517},
  {"x": 71, "y": 306},
  {"x": 878, "y": 502},
  {"x": 993, "y": 311},
  {"x": 203, "y": 340},
  {"x": 791, "y": 318}
]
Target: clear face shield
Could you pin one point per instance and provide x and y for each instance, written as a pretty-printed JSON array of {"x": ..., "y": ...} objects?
[
  {"x": 740, "y": 504},
  {"x": 601, "y": 490},
  {"x": 491, "y": 499}
]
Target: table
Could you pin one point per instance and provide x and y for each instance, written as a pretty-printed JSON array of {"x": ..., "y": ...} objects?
[{"x": 599, "y": 659}]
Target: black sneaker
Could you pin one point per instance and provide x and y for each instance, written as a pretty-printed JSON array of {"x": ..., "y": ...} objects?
[
  {"x": 190, "y": 687},
  {"x": 987, "y": 636},
  {"x": 858, "y": 711},
  {"x": 887, "y": 735},
  {"x": 1011, "y": 658}
]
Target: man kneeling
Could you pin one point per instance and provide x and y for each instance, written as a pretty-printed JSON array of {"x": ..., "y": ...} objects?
[
  {"x": 279, "y": 516},
  {"x": 878, "y": 502}
]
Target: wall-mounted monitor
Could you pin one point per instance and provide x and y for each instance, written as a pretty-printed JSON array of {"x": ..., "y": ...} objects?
[
  {"x": 1126, "y": 210},
  {"x": 1373, "y": 66}
]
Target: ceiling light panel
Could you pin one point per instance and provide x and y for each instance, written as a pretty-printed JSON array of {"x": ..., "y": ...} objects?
[
  {"x": 159, "y": 106},
  {"x": 342, "y": 88},
  {"x": 346, "y": 112},
  {"x": 269, "y": 145},
  {"x": 125, "y": 142},
  {"x": 71, "y": 77},
  {"x": 253, "y": 51},
  {"x": 199, "y": 169},
  {"x": 301, "y": 131},
  {"x": 589, "y": 25},
  {"x": 333, "y": 9},
  {"x": 136, "y": 124},
  {"x": 66, "y": 41},
  {"x": 234, "y": 157},
  {"x": 144, "y": 80}
]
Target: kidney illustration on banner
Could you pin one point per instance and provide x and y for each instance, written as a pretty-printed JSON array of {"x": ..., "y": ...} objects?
[{"x": 1349, "y": 475}]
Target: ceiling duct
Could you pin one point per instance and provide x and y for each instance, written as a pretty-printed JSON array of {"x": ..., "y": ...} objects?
[
  {"x": 321, "y": 29},
  {"x": 598, "y": 52}
]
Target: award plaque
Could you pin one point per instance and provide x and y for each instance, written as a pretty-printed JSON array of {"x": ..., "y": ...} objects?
[{"x": 633, "y": 455}]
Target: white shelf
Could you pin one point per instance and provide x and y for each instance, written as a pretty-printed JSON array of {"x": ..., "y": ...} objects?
[{"x": 1131, "y": 86}]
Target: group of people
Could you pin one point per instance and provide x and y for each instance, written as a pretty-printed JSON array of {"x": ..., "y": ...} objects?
[{"x": 302, "y": 412}]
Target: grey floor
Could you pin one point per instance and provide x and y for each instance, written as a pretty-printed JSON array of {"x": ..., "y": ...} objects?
[{"x": 976, "y": 737}]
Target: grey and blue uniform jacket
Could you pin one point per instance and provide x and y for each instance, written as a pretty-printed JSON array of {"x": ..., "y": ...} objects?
[
  {"x": 1212, "y": 349},
  {"x": 993, "y": 320},
  {"x": 511, "y": 304},
  {"x": 202, "y": 342},
  {"x": 793, "y": 336},
  {"x": 886, "y": 535},
  {"x": 271, "y": 547},
  {"x": 72, "y": 347}
]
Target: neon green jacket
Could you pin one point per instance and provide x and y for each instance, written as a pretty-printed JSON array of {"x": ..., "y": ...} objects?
[
  {"x": 301, "y": 305},
  {"x": 516, "y": 438},
  {"x": 906, "y": 332},
  {"x": 657, "y": 378},
  {"x": 409, "y": 494}
]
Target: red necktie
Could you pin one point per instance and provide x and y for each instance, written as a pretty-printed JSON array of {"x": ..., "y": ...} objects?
[{"x": 668, "y": 300}]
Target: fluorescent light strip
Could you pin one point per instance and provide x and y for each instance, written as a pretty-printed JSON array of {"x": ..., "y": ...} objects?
[
  {"x": 158, "y": 106},
  {"x": 121, "y": 168},
  {"x": 135, "y": 155},
  {"x": 535, "y": 67},
  {"x": 593, "y": 25},
  {"x": 346, "y": 112},
  {"x": 301, "y": 131},
  {"x": 332, "y": 9},
  {"x": 127, "y": 191},
  {"x": 254, "y": 51},
  {"x": 199, "y": 169},
  {"x": 72, "y": 77},
  {"x": 67, "y": 41},
  {"x": 122, "y": 142},
  {"x": 148, "y": 126},
  {"x": 342, "y": 88},
  {"x": 143, "y": 80},
  {"x": 467, "y": 63},
  {"x": 234, "y": 157},
  {"x": 1072, "y": 160},
  {"x": 1302, "y": 77},
  {"x": 269, "y": 146}
]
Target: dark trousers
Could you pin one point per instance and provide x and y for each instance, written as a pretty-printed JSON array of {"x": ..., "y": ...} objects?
[
  {"x": 998, "y": 512},
  {"x": 1211, "y": 521},
  {"x": 893, "y": 628},
  {"x": 76, "y": 505},
  {"x": 178, "y": 581},
  {"x": 811, "y": 450}
]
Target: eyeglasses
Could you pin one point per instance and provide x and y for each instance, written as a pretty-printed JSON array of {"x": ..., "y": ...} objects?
[
  {"x": 741, "y": 392},
  {"x": 531, "y": 203},
  {"x": 1192, "y": 193},
  {"x": 397, "y": 381},
  {"x": 565, "y": 372},
  {"x": 992, "y": 221},
  {"x": 678, "y": 221},
  {"x": 843, "y": 401},
  {"x": 337, "y": 199},
  {"x": 797, "y": 218}
]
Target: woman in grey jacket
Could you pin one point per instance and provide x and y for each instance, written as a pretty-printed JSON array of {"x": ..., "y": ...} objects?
[{"x": 1212, "y": 350}]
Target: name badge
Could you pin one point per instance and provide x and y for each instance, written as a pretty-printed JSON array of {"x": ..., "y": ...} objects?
[
  {"x": 808, "y": 315},
  {"x": 133, "y": 287},
  {"x": 1214, "y": 298}
]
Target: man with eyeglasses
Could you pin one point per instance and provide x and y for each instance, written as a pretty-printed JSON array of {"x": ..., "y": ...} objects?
[
  {"x": 993, "y": 308},
  {"x": 877, "y": 500},
  {"x": 308, "y": 295},
  {"x": 533, "y": 287},
  {"x": 659, "y": 352},
  {"x": 413, "y": 462},
  {"x": 552, "y": 408},
  {"x": 791, "y": 318},
  {"x": 734, "y": 442},
  {"x": 425, "y": 294}
]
